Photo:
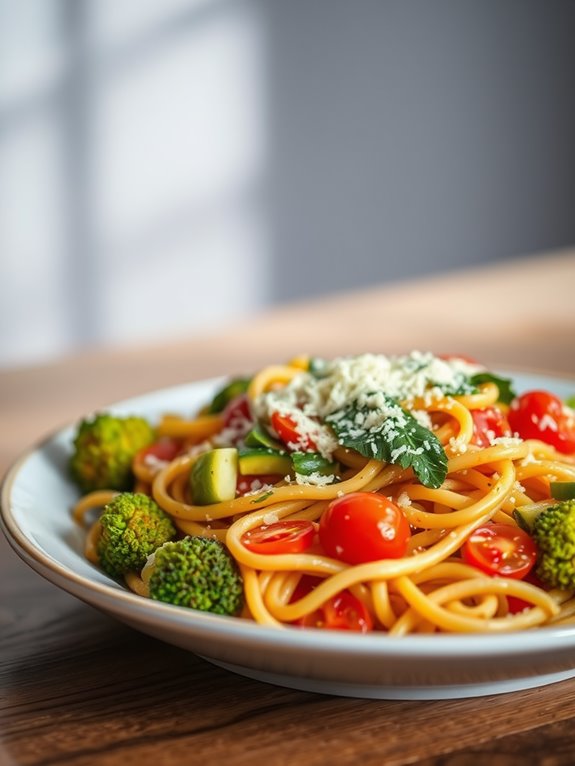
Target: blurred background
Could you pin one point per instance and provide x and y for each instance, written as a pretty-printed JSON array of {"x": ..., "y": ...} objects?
[{"x": 170, "y": 166}]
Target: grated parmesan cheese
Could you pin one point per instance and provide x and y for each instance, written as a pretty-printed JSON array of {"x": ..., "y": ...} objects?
[{"x": 367, "y": 379}]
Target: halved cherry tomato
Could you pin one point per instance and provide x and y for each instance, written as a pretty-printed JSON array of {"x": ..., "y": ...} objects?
[
  {"x": 341, "y": 612},
  {"x": 286, "y": 428},
  {"x": 500, "y": 549},
  {"x": 362, "y": 527},
  {"x": 516, "y": 604},
  {"x": 252, "y": 483},
  {"x": 237, "y": 411},
  {"x": 165, "y": 449},
  {"x": 542, "y": 415},
  {"x": 280, "y": 537},
  {"x": 346, "y": 612},
  {"x": 488, "y": 424}
]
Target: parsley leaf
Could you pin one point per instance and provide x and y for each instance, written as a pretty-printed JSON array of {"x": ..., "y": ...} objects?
[
  {"x": 380, "y": 428},
  {"x": 505, "y": 385}
]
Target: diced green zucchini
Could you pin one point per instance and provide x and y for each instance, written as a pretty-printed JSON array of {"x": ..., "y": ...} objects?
[
  {"x": 527, "y": 514},
  {"x": 259, "y": 461},
  {"x": 258, "y": 437},
  {"x": 562, "y": 490},
  {"x": 306, "y": 463},
  {"x": 225, "y": 395},
  {"x": 214, "y": 475}
]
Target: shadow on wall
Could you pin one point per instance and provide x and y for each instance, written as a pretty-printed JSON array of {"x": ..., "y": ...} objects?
[{"x": 409, "y": 138}]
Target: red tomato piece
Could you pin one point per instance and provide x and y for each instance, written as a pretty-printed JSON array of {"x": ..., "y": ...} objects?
[
  {"x": 346, "y": 612},
  {"x": 363, "y": 527},
  {"x": 252, "y": 483},
  {"x": 165, "y": 449},
  {"x": 237, "y": 419},
  {"x": 516, "y": 604},
  {"x": 281, "y": 537},
  {"x": 488, "y": 424},
  {"x": 542, "y": 415},
  {"x": 462, "y": 357},
  {"x": 341, "y": 612},
  {"x": 286, "y": 428},
  {"x": 500, "y": 549}
]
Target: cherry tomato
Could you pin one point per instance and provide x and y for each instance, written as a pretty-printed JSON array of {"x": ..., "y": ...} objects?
[
  {"x": 281, "y": 537},
  {"x": 165, "y": 449},
  {"x": 286, "y": 428},
  {"x": 461, "y": 357},
  {"x": 237, "y": 412},
  {"x": 341, "y": 612},
  {"x": 252, "y": 483},
  {"x": 362, "y": 527},
  {"x": 542, "y": 415},
  {"x": 488, "y": 424},
  {"x": 516, "y": 604},
  {"x": 500, "y": 549}
]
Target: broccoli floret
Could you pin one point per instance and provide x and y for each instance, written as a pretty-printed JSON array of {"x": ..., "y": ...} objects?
[
  {"x": 132, "y": 527},
  {"x": 554, "y": 533},
  {"x": 197, "y": 572},
  {"x": 104, "y": 448}
]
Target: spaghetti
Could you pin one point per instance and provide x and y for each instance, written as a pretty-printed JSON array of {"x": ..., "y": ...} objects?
[{"x": 429, "y": 438}]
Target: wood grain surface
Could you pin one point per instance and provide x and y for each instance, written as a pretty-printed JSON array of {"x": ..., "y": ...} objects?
[{"x": 78, "y": 688}]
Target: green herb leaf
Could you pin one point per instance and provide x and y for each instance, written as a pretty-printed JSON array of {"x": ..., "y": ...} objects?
[
  {"x": 505, "y": 385},
  {"x": 570, "y": 402},
  {"x": 382, "y": 429},
  {"x": 306, "y": 463},
  {"x": 261, "y": 498},
  {"x": 230, "y": 391}
]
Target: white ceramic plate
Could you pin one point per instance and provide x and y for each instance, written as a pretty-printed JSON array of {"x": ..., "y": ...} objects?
[{"x": 36, "y": 502}]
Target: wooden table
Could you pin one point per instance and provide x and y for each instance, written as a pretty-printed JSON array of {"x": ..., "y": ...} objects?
[{"x": 79, "y": 688}]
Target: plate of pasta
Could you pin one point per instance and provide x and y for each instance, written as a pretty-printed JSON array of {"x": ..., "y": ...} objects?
[{"x": 397, "y": 527}]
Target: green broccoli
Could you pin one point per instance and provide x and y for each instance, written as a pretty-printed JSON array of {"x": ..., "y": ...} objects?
[
  {"x": 132, "y": 527},
  {"x": 554, "y": 533},
  {"x": 196, "y": 572},
  {"x": 104, "y": 448}
]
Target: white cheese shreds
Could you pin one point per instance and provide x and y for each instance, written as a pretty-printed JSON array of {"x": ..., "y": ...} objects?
[
  {"x": 316, "y": 479},
  {"x": 458, "y": 445},
  {"x": 404, "y": 501},
  {"x": 506, "y": 441},
  {"x": 366, "y": 379}
]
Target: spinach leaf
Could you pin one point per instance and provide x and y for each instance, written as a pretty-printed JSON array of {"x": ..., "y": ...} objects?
[
  {"x": 380, "y": 428},
  {"x": 505, "y": 385}
]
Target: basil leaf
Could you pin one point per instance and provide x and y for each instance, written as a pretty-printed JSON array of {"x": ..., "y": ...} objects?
[
  {"x": 382, "y": 429},
  {"x": 505, "y": 385}
]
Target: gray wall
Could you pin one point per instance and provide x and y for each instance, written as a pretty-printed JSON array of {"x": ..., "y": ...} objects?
[{"x": 411, "y": 137}]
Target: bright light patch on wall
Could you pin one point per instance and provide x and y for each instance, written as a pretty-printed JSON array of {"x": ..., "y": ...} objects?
[{"x": 179, "y": 156}]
